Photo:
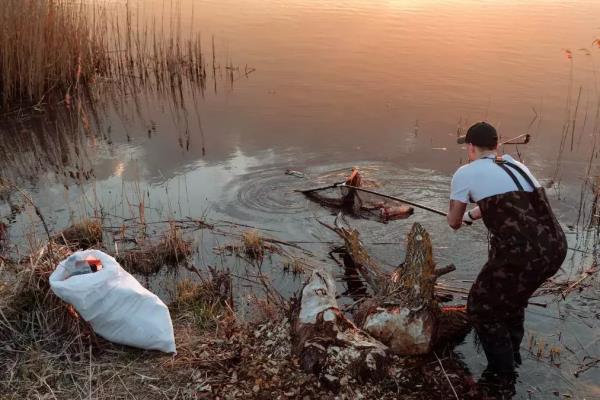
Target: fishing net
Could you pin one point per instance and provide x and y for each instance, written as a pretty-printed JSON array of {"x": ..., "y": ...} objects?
[{"x": 354, "y": 197}]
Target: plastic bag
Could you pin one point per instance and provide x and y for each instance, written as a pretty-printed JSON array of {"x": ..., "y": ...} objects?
[{"x": 114, "y": 303}]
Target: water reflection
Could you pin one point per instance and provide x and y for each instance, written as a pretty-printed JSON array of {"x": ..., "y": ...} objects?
[{"x": 384, "y": 85}]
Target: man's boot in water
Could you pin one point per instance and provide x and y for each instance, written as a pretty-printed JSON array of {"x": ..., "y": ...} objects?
[
  {"x": 498, "y": 385},
  {"x": 516, "y": 331},
  {"x": 498, "y": 379},
  {"x": 498, "y": 351}
]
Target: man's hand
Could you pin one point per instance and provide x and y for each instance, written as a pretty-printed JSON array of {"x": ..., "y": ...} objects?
[
  {"x": 467, "y": 218},
  {"x": 455, "y": 214},
  {"x": 471, "y": 216}
]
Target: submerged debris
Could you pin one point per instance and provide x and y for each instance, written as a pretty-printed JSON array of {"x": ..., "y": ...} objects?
[{"x": 296, "y": 174}]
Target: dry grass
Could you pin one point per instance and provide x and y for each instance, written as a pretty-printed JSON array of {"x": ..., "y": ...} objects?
[
  {"x": 254, "y": 246},
  {"x": 295, "y": 266},
  {"x": 45, "y": 353},
  {"x": 48, "y": 46},
  {"x": 83, "y": 235},
  {"x": 206, "y": 303},
  {"x": 31, "y": 317},
  {"x": 148, "y": 258},
  {"x": 48, "y": 352}
]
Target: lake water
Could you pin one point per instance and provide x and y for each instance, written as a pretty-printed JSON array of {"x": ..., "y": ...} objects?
[{"x": 382, "y": 85}]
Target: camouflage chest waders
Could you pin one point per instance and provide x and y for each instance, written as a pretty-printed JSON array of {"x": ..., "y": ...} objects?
[{"x": 527, "y": 246}]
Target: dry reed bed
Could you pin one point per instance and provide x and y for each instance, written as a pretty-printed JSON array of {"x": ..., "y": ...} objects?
[
  {"x": 82, "y": 235},
  {"x": 31, "y": 316},
  {"x": 47, "y": 350},
  {"x": 47, "y": 46},
  {"x": 54, "y": 50},
  {"x": 64, "y": 65}
]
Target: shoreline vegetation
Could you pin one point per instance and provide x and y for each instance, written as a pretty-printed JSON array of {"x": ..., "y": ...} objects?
[
  {"x": 50, "y": 48},
  {"x": 58, "y": 52},
  {"x": 51, "y": 352}
]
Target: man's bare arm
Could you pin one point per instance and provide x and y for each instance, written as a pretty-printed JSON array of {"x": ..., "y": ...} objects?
[
  {"x": 455, "y": 214},
  {"x": 475, "y": 213}
]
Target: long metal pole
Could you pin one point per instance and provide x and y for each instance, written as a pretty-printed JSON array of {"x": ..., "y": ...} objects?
[
  {"x": 412, "y": 203},
  {"x": 305, "y": 191},
  {"x": 433, "y": 210}
]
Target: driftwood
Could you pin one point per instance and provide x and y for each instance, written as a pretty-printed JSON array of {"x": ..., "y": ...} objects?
[
  {"x": 403, "y": 312},
  {"x": 326, "y": 342}
]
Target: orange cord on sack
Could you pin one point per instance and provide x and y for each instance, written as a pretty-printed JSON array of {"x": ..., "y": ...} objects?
[{"x": 462, "y": 308}]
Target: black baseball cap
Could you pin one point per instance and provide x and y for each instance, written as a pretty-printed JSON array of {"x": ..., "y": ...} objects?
[{"x": 480, "y": 134}]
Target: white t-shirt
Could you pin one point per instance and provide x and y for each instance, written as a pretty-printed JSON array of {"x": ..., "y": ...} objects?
[{"x": 483, "y": 178}]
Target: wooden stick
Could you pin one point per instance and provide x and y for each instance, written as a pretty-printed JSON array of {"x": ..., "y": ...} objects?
[
  {"x": 584, "y": 276},
  {"x": 445, "y": 270},
  {"x": 510, "y": 141}
]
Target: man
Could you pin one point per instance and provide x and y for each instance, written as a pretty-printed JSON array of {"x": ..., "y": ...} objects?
[{"x": 527, "y": 244}]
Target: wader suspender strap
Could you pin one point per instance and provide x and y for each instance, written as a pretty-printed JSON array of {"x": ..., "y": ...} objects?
[{"x": 502, "y": 164}]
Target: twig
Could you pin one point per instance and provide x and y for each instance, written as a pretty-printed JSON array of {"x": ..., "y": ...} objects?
[
  {"x": 35, "y": 207},
  {"x": 446, "y": 375},
  {"x": 584, "y": 276},
  {"x": 526, "y": 138},
  {"x": 586, "y": 366},
  {"x": 90, "y": 375},
  {"x": 38, "y": 212},
  {"x": 285, "y": 243}
]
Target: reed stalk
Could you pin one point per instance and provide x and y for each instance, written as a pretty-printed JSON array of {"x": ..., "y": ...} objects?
[{"x": 48, "y": 48}]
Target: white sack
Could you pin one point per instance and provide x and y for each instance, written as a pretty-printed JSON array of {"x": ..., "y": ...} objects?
[{"x": 115, "y": 304}]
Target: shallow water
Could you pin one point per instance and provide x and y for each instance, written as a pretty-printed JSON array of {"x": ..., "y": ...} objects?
[{"x": 383, "y": 85}]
